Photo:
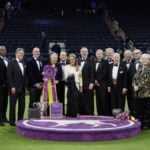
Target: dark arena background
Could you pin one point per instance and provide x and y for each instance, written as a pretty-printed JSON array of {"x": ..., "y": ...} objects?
[
  {"x": 75, "y": 23},
  {"x": 95, "y": 24}
]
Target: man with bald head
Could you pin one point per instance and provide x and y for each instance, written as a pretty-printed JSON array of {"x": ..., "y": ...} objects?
[
  {"x": 87, "y": 66},
  {"x": 101, "y": 83},
  {"x": 117, "y": 82},
  {"x": 34, "y": 69}
]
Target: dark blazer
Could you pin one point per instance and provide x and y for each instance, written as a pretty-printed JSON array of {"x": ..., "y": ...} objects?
[
  {"x": 3, "y": 73},
  {"x": 130, "y": 73},
  {"x": 121, "y": 78},
  {"x": 34, "y": 75},
  {"x": 102, "y": 73},
  {"x": 87, "y": 72},
  {"x": 59, "y": 72},
  {"x": 15, "y": 77}
]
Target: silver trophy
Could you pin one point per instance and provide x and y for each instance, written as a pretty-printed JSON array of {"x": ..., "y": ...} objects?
[
  {"x": 42, "y": 106},
  {"x": 116, "y": 111}
]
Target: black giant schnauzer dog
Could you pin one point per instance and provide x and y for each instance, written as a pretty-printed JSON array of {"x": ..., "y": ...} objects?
[{"x": 73, "y": 96}]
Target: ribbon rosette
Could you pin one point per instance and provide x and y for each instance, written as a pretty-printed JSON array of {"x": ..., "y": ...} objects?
[{"x": 49, "y": 87}]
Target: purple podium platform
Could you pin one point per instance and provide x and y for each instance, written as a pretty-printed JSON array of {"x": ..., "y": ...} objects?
[{"x": 82, "y": 128}]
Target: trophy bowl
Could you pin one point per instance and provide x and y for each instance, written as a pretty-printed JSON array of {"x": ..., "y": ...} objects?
[
  {"x": 116, "y": 111},
  {"x": 42, "y": 106}
]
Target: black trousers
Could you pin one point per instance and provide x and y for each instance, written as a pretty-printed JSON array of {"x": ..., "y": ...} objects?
[
  {"x": 102, "y": 102},
  {"x": 20, "y": 96},
  {"x": 86, "y": 103},
  {"x": 3, "y": 102},
  {"x": 61, "y": 93},
  {"x": 117, "y": 98},
  {"x": 143, "y": 111},
  {"x": 130, "y": 99},
  {"x": 35, "y": 95}
]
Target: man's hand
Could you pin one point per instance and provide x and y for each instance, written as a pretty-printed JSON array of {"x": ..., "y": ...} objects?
[
  {"x": 13, "y": 90},
  {"x": 38, "y": 85},
  {"x": 91, "y": 85}
]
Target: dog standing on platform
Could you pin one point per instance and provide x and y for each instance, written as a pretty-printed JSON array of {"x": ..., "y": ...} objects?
[{"x": 73, "y": 96}]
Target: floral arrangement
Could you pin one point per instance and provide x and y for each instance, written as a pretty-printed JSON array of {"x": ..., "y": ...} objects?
[{"x": 125, "y": 116}]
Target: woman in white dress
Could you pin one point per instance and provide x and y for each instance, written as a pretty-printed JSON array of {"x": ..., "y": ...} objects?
[{"x": 73, "y": 69}]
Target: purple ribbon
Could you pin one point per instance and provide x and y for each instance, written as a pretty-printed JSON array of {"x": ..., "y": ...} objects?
[{"x": 49, "y": 73}]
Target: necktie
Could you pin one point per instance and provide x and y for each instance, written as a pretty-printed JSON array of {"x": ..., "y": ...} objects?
[
  {"x": 63, "y": 63},
  {"x": 97, "y": 61},
  {"x": 115, "y": 64},
  {"x": 83, "y": 59},
  {"x": 20, "y": 61}
]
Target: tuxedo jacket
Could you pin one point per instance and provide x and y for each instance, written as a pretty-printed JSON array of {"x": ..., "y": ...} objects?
[
  {"x": 59, "y": 73},
  {"x": 87, "y": 72},
  {"x": 130, "y": 73},
  {"x": 15, "y": 77},
  {"x": 3, "y": 73},
  {"x": 102, "y": 73},
  {"x": 34, "y": 75},
  {"x": 121, "y": 76}
]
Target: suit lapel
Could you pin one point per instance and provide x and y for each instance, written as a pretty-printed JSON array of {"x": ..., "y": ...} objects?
[
  {"x": 18, "y": 67},
  {"x": 2, "y": 62},
  {"x": 35, "y": 64},
  {"x": 119, "y": 69}
]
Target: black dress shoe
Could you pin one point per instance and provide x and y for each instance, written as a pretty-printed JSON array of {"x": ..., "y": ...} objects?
[
  {"x": 2, "y": 124},
  {"x": 12, "y": 124}
]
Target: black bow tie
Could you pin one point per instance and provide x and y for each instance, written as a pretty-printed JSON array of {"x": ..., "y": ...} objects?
[
  {"x": 98, "y": 61},
  {"x": 20, "y": 61},
  {"x": 37, "y": 59},
  {"x": 115, "y": 64},
  {"x": 82, "y": 60},
  {"x": 63, "y": 63}
]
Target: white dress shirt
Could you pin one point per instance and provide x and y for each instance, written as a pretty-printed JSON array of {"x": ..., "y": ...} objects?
[
  {"x": 4, "y": 60},
  {"x": 20, "y": 66},
  {"x": 115, "y": 72},
  {"x": 38, "y": 63}
]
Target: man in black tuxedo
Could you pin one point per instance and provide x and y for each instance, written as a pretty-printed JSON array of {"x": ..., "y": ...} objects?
[
  {"x": 101, "y": 83},
  {"x": 3, "y": 86},
  {"x": 117, "y": 83},
  {"x": 63, "y": 62},
  {"x": 17, "y": 80},
  {"x": 130, "y": 74},
  {"x": 86, "y": 106},
  {"x": 136, "y": 58},
  {"x": 34, "y": 69}
]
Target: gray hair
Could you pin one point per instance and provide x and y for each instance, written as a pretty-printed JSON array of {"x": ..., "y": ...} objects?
[
  {"x": 145, "y": 56},
  {"x": 19, "y": 49},
  {"x": 2, "y": 47},
  {"x": 53, "y": 54}
]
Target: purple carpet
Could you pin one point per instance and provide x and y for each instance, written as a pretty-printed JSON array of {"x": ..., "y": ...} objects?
[{"x": 82, "y": 128}]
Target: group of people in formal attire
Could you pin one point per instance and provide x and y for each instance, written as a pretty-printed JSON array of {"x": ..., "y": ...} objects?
[{"x": 107, "y": 78}]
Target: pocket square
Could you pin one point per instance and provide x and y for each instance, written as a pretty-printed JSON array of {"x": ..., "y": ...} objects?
[{"x": 121, "y": 71}]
